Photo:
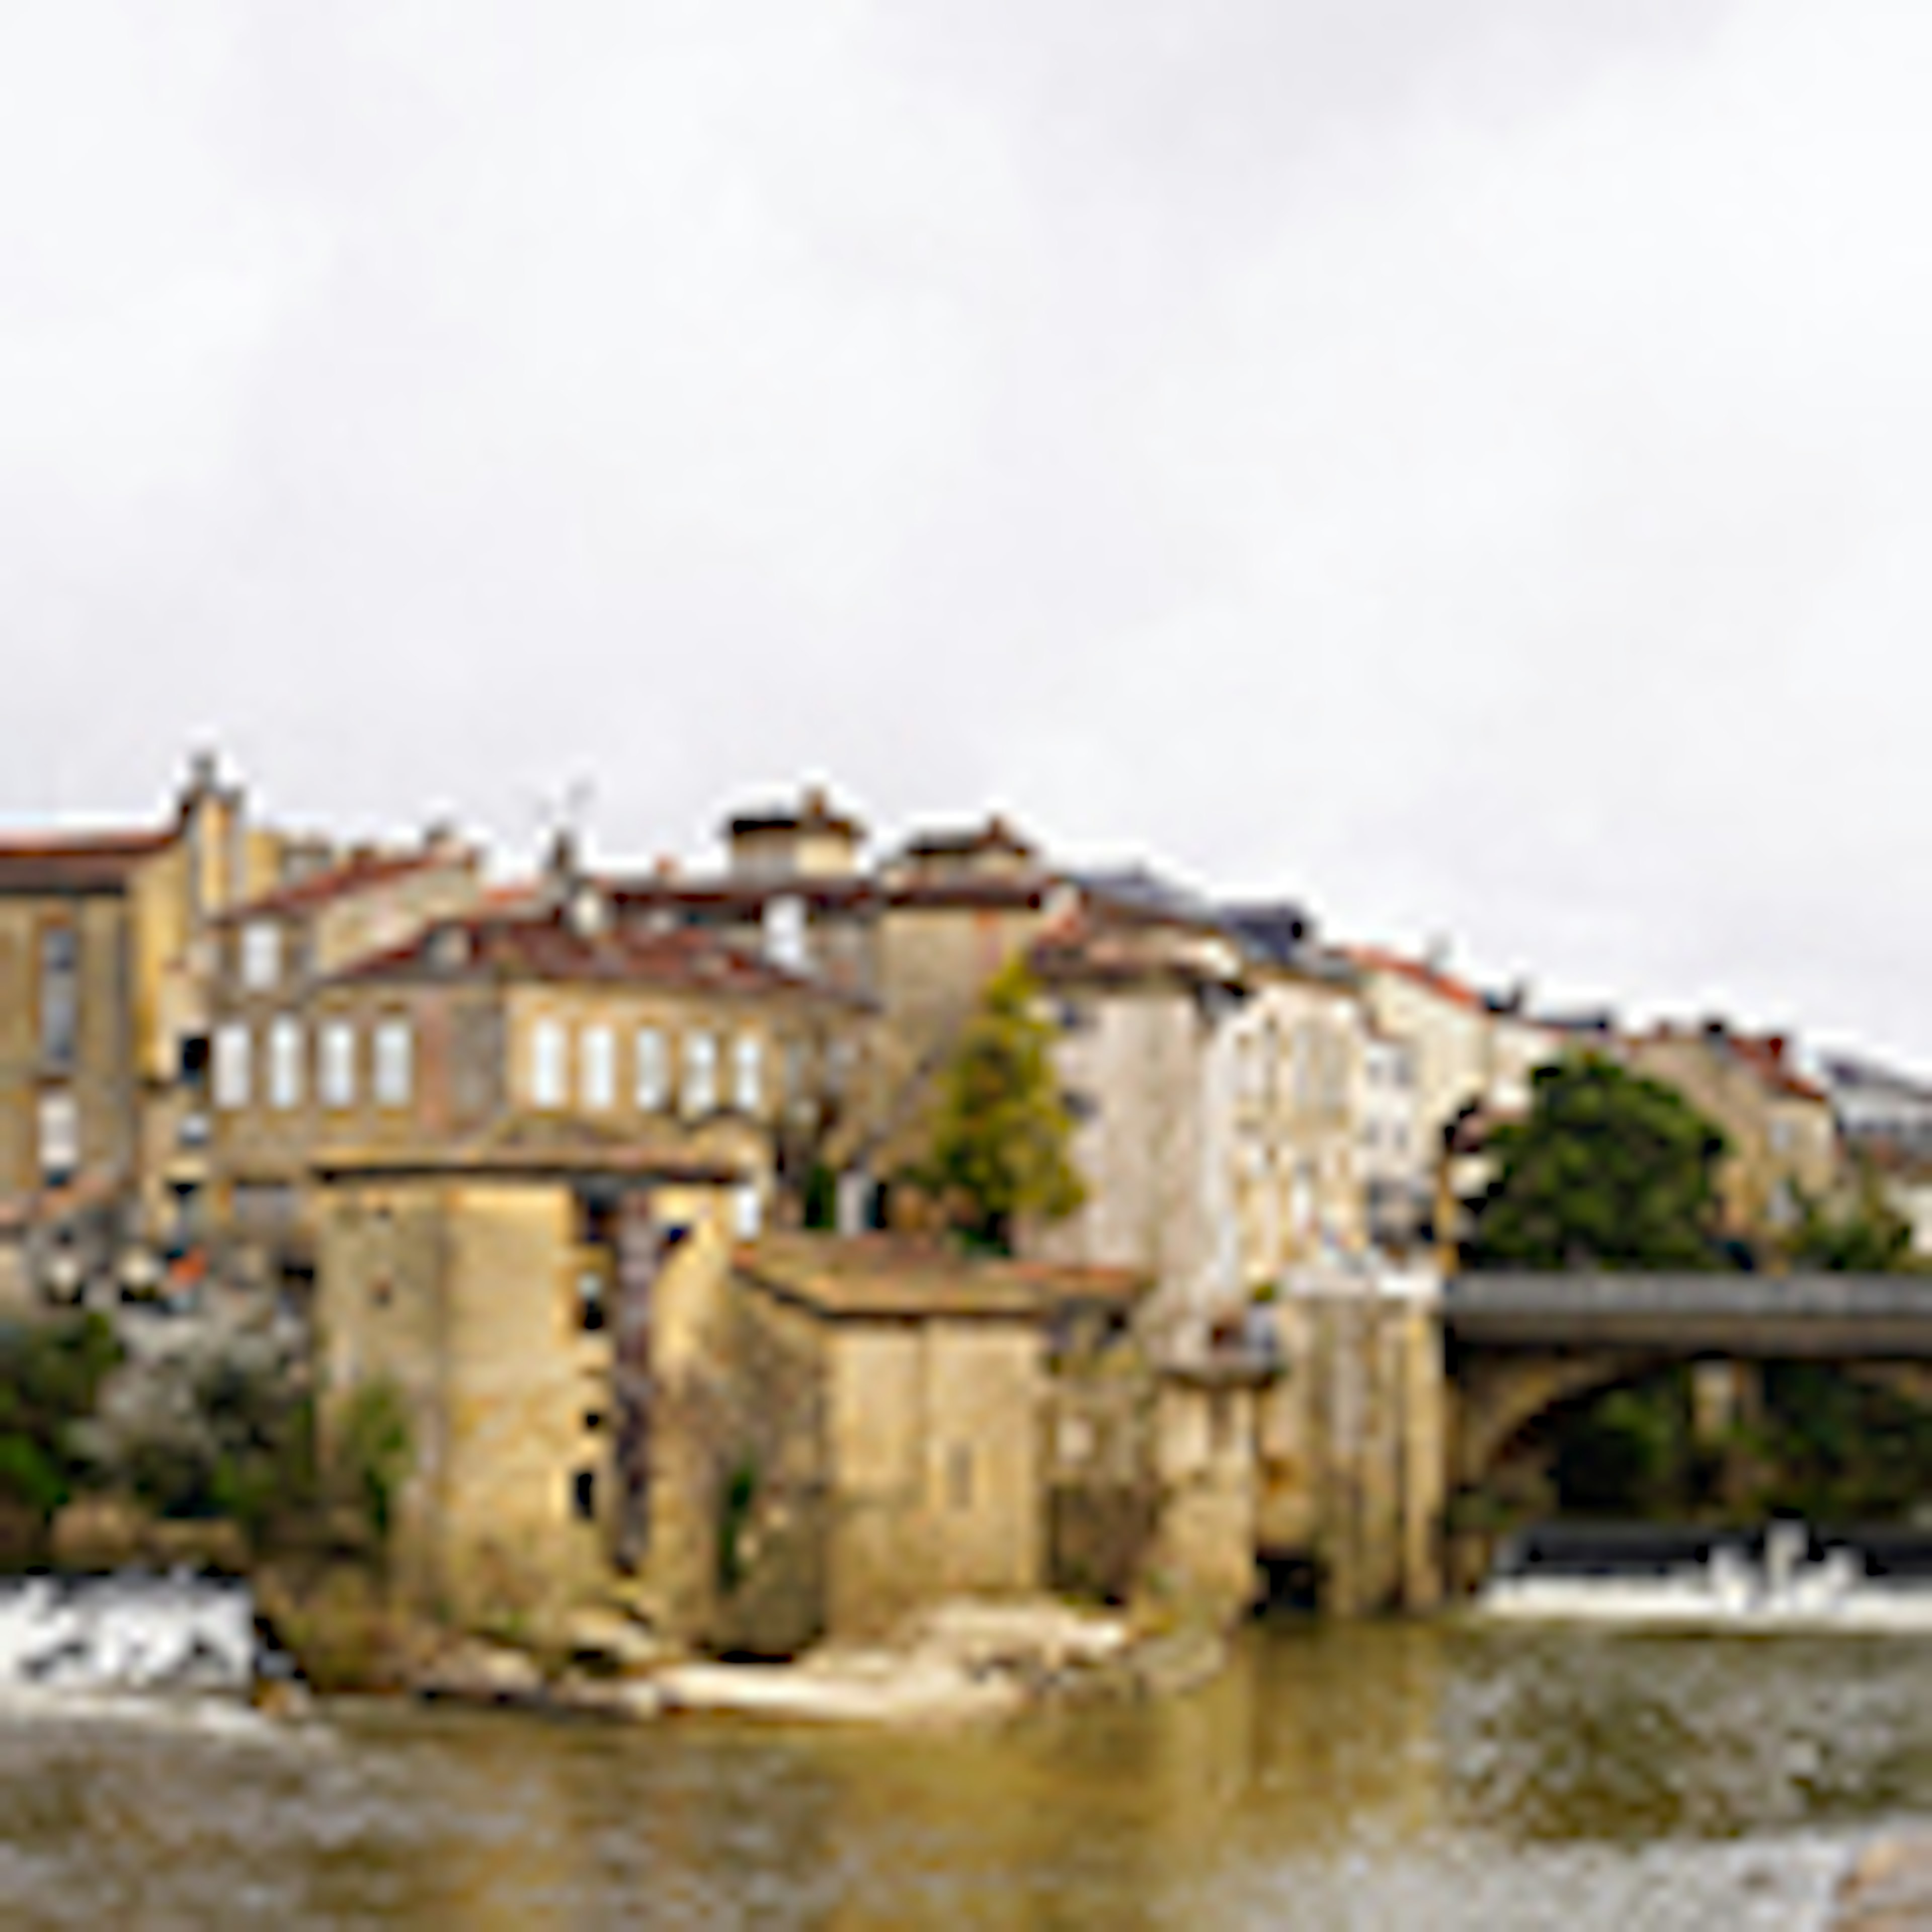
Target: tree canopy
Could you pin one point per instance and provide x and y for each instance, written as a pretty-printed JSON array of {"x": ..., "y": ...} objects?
[
  {"x": 1610, "y": 1169},
  {"x": 999, "y": 1151}
]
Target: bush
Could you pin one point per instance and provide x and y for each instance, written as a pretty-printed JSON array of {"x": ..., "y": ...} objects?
[{"x": 373, "y": 1453}]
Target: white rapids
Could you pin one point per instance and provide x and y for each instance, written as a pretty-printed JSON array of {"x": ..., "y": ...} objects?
[
  {"x": 126, "y": 1632},
  {"x": 1726, "y": 1591}
]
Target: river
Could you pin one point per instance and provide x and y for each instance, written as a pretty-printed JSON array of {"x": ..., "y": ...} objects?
[{"x": 1436, "y": 1776}]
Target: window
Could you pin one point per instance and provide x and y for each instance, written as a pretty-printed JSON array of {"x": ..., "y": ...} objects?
[
  {"x": 285, "y": 1062},
  {"x": 335, "y": 1070},
  {"x": 550, "y": 1068},
  {"x": 60, "y": 1138},
  {"x": 597, "y": 1069},
  {"x": 395, "y": 1070},
  {"x": 747, "y": 1075},
  {"x": 261, "y": 954},
  {"x": 583, "y": 1495},
  {"x": 591, "y": 1299},
  {"x": 785, "y": 933},
  {"x": 60, "y": 998},
  {"x": 701, "y": 1072},
  {"x": 653, "y": 1069},
  {"x": 231, "y": 1065},
  {"x": 747, "y": 1213}
]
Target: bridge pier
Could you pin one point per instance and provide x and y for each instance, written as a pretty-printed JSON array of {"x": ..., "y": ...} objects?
[
  {"x": 1725, "y": 1395},
  {"x": 1353, "y": 1440}
]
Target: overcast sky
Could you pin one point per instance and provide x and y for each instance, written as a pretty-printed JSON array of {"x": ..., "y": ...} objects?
[{"x": 1468, "y": 463}]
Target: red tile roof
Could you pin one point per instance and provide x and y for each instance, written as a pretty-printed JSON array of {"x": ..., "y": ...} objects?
[
  {"x": 360, "y": 872},
  {"x": 547, "y": 946},
  {"x": 894, "y": 1278},
  {"x": 81, "y": 862},
  {"x": 1443, "y": 986}
]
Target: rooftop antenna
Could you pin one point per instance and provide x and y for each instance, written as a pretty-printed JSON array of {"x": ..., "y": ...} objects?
[{"x": 560, "y": 818}]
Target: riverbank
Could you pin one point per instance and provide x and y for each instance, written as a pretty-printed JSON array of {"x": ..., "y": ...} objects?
[{"x": 964, "y": 1661}]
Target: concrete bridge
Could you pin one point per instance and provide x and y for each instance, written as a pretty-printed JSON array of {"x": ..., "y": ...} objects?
[
  {"x": 1517, "y": 1347},
  {"x": 1402, "y": 1391}
]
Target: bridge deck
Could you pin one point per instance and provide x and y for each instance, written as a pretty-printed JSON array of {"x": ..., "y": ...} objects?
[{"x": 1741, "y": 1314}]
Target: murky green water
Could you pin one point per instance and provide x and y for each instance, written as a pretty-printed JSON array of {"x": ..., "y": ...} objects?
[{"x": 1370, "y": 1778}]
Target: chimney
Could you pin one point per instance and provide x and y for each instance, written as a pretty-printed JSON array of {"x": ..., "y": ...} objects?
[{"x": 563, "y": 866}]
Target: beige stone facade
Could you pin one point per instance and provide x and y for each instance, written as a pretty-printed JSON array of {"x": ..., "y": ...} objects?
[
  {"x": 103, "y": 990},
  {"x": 1784, "y": 1146},
  {"x": 1217, "y": 1102},
  {"x": 916, "y": 936},
  {"x": 484, "y": 1287},
  {"x": 663, "y": 1039}
]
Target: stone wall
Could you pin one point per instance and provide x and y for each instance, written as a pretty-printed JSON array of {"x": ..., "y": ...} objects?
[{"x": 1353, "y": 1441}]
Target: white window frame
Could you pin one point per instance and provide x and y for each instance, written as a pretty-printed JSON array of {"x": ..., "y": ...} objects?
[
  {"x": 231, "y": 1071},
  {"x": 748, "y": 1073},
  {"x": 58, "y": 1127},
  {"x": 653, "y": 1069},
  {"x": 597, "y": 1067},
  {"x": 261, "y": 955},
  {"x": 335, "y": 1063},
  {"x": 549, "y": 1083},
  {"x": 285, "y": 1063},
  {"x": 700, "y": 1071},
  {"x": 747, "y": 1212},
  {"x": 392, "y": 1073}
]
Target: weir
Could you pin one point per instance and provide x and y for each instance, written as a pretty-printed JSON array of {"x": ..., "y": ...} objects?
[
  {"x": 1786, "y": 1577},
  {"x": 130, "y": 1632}
]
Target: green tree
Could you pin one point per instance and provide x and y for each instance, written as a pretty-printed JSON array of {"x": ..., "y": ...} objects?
[
  {"x": 1868, "y": 1237},
  {"x": 999, "y": 1146},
  {"x": 51, "y": 1375},
  {"x": 1610, "y": 1170}
]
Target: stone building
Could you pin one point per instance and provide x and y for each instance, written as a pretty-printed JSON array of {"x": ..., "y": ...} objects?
[
  {"x": 909, "y": 1456},
  {"x": 1784, "y": 1146},
  {"x": 553, "y": 1013},
  {"x": 267, "y": 956},
  {"x": 103, "y": 987},
  {"x": 1216, "y": 1089},
  {"x": 917, "y": 934},
  {"x": 754, "y": 1446},
  {"x": 530, "y": 1297}
]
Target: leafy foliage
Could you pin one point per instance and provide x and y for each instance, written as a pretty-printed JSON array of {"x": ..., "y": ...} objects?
[
  {"x": 373, "y": 1449},
  {"x": 1610, "y": 1170},
  {"x": 222, "y": 1428},
  {"x": 999, "y": 1148},
  {"x": 1869, "y": 1237},
  {"x": 1824, "y": 1445},
  {"x": 51, "y": 1376}
]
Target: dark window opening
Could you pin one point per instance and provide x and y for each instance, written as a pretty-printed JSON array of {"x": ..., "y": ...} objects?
[
  {"x": 583, "y": 1495},
  {"x": 591, "y": 1311},
  {"x": 60, "y": 998},
  {"x": 195, "y": 1058}
]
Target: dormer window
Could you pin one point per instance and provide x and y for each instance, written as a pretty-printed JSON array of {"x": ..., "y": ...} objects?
[{"x": 261, "y": 955}]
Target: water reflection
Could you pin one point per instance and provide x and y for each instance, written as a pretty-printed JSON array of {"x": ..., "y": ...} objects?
[{"x": 1333, "y": 1777}]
